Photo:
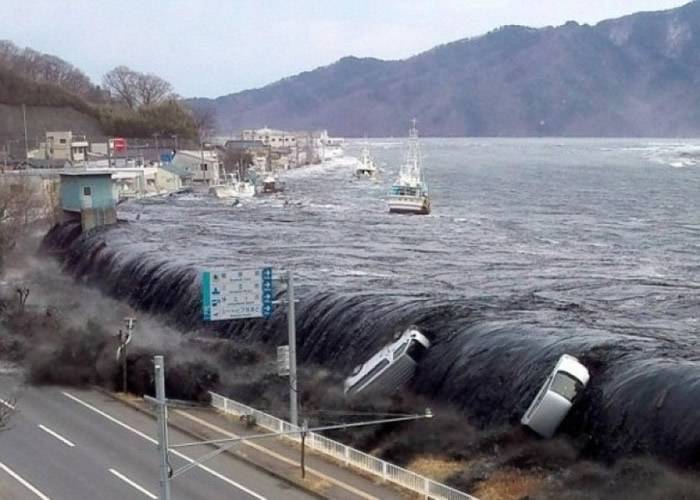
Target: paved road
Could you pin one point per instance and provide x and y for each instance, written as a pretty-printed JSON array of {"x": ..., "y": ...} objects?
[{"x": 79, "y": 444}]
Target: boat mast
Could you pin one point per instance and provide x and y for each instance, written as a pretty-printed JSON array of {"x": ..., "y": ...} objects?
[{"x": 413, "y": 155}]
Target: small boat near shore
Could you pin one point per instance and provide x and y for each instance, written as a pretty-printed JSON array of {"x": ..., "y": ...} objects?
[
  {"x": 271, "y": 184},
  {"x": 366, "y": 169},
  {"x": 409, "y": 194},
  {"x": 233, "y": 188}
]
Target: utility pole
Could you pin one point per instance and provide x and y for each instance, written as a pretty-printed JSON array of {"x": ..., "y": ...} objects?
[
  {"x": 26, "y": 144},
  {"x": 124, "y": 339},
  {"x": 292, "y": 330},
  {"x": 159, "y": 365},
  {"x": 155, "y": 137},
  {"x": 109, "y": 154}
]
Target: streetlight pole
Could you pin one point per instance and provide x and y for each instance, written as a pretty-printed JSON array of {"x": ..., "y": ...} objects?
[
  {"x": 292, "y": 331},
  {"x": 159, "y": 365}
]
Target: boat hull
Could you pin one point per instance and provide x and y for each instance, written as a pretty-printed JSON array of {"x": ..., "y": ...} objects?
[{"x": 404, "y": 205}]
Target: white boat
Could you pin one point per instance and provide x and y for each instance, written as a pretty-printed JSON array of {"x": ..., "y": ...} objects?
[
  {"x": 233, "y": 188},
  {"x": 271, "y": 184},
  {"x": 409, "y": 194},
  {"x": 331, "y": 147},
  {"x": 366, "y": 168},
  {"x": 391, "y": 367}
]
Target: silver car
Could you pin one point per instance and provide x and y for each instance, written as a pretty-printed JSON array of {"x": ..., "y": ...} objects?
[
  {"x": 556, "y": 397},
  {"x": 391, "y": 367}
]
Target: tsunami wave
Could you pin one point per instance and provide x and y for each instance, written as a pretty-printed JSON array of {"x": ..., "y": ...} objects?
[{"x": 489, "y": 356}]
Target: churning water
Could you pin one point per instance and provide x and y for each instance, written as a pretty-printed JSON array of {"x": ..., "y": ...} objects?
[{"x": 534, "y": 248}]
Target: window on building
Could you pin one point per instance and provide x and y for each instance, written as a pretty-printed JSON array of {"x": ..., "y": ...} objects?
[
  {"x": 87, "y": 191},
  {"x": 204, "y": 167},
  {"x": 62, "y": 141}
]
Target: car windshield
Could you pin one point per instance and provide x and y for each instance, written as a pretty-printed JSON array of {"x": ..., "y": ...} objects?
[{"x": 565, "y": 385}]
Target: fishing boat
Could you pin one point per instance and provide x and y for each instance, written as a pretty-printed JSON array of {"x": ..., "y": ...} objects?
[
  {"x": 409, "y": 194},
  {"x": 233, "y": 187},
  {"x": 271, "y": 184},
  {"x": 366, "y": 167}
]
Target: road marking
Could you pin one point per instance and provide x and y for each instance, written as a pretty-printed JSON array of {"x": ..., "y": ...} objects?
[
  {"x": 279, "y": 457},
  {"x": 153, "y": 441},
  {"x": 23, "y": 482},
  {"x": 8, "y": 404},
  {"x": 133, "y": 484},
  {"x": 56, "y": 435}
]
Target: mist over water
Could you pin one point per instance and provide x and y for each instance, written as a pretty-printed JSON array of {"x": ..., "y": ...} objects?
[{"x": 535, "y": 248}]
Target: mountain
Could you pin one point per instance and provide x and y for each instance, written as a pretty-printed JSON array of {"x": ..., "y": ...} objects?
[{"x": 633, "y": 76}]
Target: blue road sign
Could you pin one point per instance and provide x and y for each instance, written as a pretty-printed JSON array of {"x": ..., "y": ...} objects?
[{"x": 237, "y": 294}]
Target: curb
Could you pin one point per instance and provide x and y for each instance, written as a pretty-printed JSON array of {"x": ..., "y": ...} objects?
[{"x": 195, "y": 435}]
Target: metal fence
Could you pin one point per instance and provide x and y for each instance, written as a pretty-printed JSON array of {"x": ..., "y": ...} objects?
[{"x": 348, "y": 456}]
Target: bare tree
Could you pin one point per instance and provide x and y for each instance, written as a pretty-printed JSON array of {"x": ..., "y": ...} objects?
[
  {"x": 45, "y": 68},
  {"x": 21, "y": 203},
  {"x": 120, "y": 82},
  {"x": 135, "y": 89},
  {"x": 205, "y": 122},
  {"x": 152, "y": 89}
]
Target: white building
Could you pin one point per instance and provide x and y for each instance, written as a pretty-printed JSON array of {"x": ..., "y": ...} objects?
[
  {"x": 147, "y": 181},
  {"x": 63, "y": 145},
  {"x": 204, "y": 167},
  {"x": 271, "y": 137}
]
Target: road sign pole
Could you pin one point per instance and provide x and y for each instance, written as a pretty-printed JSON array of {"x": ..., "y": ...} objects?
[
  {"x": 291, "y": 327},
  {"x": 159, "y": 365}
]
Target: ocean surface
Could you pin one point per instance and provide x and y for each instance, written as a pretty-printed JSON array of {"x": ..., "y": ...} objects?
[{"x": 535, "y": 247}]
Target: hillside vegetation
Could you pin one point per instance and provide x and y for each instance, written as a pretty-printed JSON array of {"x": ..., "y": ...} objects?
[
  {"x": 633, "y": 76},
  {"x": 40, "y": 80}
]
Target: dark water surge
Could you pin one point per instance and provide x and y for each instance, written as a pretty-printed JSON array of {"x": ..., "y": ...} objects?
[{"x": 536, "y": 248}]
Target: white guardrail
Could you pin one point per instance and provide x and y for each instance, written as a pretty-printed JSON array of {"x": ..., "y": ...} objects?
[{"x": 349, "y": 456}]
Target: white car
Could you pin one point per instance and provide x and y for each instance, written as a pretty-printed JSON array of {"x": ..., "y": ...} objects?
[
  {"x": 391, "y": 367},
  {"x": 556, "y": 397}
]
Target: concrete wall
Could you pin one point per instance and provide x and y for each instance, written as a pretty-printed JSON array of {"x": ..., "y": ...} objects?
[{"x": 92, "y": 218}]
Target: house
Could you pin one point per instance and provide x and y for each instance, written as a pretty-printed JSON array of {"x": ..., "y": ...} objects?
[
  {"x": 145, "y": 181},
  {"x": 63, "y": 145},
  {"x": 88, "y": 196},
  {"x": 203, "y": 166}
]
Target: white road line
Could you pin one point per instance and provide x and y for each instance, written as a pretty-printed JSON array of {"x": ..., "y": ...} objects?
[
  {"x": 133, "y": 484},
  {"x": 153, "y": 441},
  {"x": 56, "y": 435},
  {"x": 23, "y": 482},
  {"x": 279, "y": 457},
  {"x": 7, "y": 404}
]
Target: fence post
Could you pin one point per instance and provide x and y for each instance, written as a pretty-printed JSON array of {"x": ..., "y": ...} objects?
[
  {"x": 226, "y": 405},
  {"x": 347, "y": 455},
  {"x": 383, "y": 470},
  {"x": 426, "y": 481}
]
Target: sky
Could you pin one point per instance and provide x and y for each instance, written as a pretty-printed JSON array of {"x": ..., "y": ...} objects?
[{"x": 208, "y": 48}]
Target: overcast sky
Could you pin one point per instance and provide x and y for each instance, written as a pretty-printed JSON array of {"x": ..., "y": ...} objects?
[{"x": 215, "y": 47}]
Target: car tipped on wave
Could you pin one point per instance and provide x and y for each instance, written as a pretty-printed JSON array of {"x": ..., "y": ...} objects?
[
  {"x": 556, "y": 397},
  {"x": 391, "y": 367}
]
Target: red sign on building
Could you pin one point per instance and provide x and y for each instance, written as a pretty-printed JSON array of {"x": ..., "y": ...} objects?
[{"x": 119, "y": 144}]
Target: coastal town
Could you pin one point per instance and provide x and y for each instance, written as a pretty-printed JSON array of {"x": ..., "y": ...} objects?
[{"x": 141, "y": 168}]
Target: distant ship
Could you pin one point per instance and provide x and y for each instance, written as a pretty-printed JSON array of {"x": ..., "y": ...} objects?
[
  {"x": 409, "y": 194},
  {"x": 366, "y": 167}
]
